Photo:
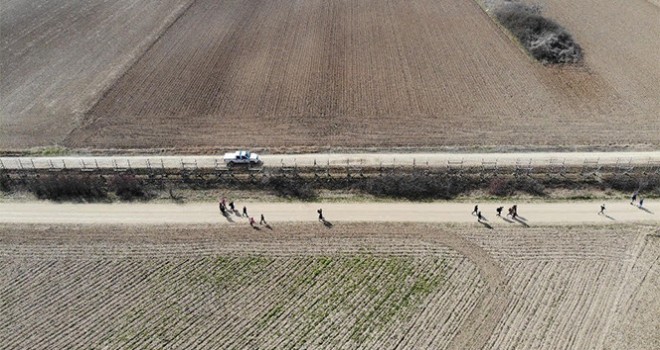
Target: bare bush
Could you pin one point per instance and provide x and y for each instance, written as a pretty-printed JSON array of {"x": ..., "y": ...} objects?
[
  {"x": 78, "y": 188},
  {"x": 292, "y": 187},
  {"x": 503, "y": 187},
  {"x": 128, "y": 188},
  {"x": 5, "y": 184},
  {"x": 546, "y": 41},
  {"x": 627, "y": 183},
  {"x": 416, "y": 186}
]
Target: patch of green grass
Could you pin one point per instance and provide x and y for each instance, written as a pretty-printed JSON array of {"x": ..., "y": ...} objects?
[
  {"x": 48, "y": 151},
  {"x": 321, "y": 297}
]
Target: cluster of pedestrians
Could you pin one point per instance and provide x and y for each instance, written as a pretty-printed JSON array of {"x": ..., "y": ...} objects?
[
  {"x": 635, "y": 200},
  {"x": 513, "y": 212},
  {"x": 634, "y": 197},
  {"x": 226, "y": 209}
]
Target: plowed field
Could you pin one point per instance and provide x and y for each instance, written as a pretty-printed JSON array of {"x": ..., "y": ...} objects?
[
  {"x": 57, "y": 58},
  {"x": 321, "y": 73},
  {"x": 379, "y": 286}
]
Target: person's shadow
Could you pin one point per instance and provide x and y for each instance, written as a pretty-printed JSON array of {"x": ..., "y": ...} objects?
[
  {"x": 507, "y": 220},
  {"x": 486, "y": 225},
  {"x": 646, "y": 210},
  {"x": 520, "y": 221},
  {"x": 327, "y": 223},
  {"x": 227, "y": 216}
]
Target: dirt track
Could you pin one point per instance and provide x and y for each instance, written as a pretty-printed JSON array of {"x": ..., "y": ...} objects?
[
  {"x": 343, "y": 159},
  {"x": 532, "y": 214}
]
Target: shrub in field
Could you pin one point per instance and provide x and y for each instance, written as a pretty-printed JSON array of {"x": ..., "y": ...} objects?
[
  {"x": 68, "y": 187},
  {"x": 292, "y": 187},
  {"x": 546, "y": 41},
  {"x": 5, "y": 184},
  {"x": 627, "y": 183},
  {"x": 506, "y": 187},
  {"x": 500, "y": 186},
  {"x": 128, "y": 188},
  {"x": 415, "y": 186}
]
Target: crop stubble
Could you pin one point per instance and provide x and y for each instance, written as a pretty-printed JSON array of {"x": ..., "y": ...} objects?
[{"x": 373, "y": 286}]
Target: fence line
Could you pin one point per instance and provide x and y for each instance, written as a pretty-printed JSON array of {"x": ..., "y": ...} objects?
[{"x": 193, "y": 164}]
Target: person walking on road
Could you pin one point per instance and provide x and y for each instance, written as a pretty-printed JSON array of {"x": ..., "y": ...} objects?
[
  {"x": 263, "y": 220},
  {"x": 641, "y": 201},
  {"x": 514, "y": 211},
  {"x": 252, "y": 222},
  {"x": 245, "y": 213},
  {"x": 602, "y": 209},
  {"x": 223, "y": 210},
  {"x": 476, "y": 209},
  {"x": 499, "y": 211},
  {"x": 479, "y": 217},
  {"x": 231, "y": 206},
  {"x": 633, "y": 198},
  {"x": 320, "y": 211}
]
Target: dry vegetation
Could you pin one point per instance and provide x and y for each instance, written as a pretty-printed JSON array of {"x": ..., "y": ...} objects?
[
  {"x": 321, "y": 73},
  {"x": 355, "y": 286}
]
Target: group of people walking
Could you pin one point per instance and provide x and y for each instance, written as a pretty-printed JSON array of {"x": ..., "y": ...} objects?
[
  {"x": 513, "y": 212},
  {"x": 228, "y": 209},
  {"x": 225, "y": 209},
  {"x": 633, "y": 201},
  {"x": 634, "y": 198}
]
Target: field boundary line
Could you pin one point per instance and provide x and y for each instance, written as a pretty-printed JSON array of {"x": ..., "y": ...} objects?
[
  {"x": 139, "y": 53},
  {"x": 479, "y": 325}
]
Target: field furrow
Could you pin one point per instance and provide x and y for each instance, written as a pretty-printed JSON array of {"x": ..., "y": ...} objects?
[{"x": 401, "y": 287}]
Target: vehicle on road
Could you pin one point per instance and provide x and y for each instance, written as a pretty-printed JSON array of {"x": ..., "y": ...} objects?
[{"x": 242, "y": 158}]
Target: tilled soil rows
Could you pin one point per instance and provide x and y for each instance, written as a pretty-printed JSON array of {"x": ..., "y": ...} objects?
[
  {"x": 380, "y": 286},
  {"x": 286, "y": 74}
]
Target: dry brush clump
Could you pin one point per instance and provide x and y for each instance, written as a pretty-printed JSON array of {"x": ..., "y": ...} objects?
[
  {"x": 544, "y": 39},
  {"x": 502, "y": 187},
  {"x": 81, "y": 187}
]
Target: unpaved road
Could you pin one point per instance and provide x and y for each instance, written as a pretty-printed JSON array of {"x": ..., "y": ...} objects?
[
  {"x": 532, "y": 214},
  {"x": 343, "y": 159}
]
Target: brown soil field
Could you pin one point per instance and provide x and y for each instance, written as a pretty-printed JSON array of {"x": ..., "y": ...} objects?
[
  {"x": 367, "y": 286},
  {"x": 286, "y": 74},
  {"x": 57, "y": 58}
]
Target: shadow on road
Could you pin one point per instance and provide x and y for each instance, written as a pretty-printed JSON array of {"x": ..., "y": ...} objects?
[
  {"x": 507, "y": 220},
  {"x": 520, "y": 221},
  {"x": 646, "y": 210},
  {"x": 228, "y": 217}
]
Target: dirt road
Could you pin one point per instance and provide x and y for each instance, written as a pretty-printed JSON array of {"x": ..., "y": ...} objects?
[
  {"x": 343, "y": 159},
  {"x": 532, "y": 214}
]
